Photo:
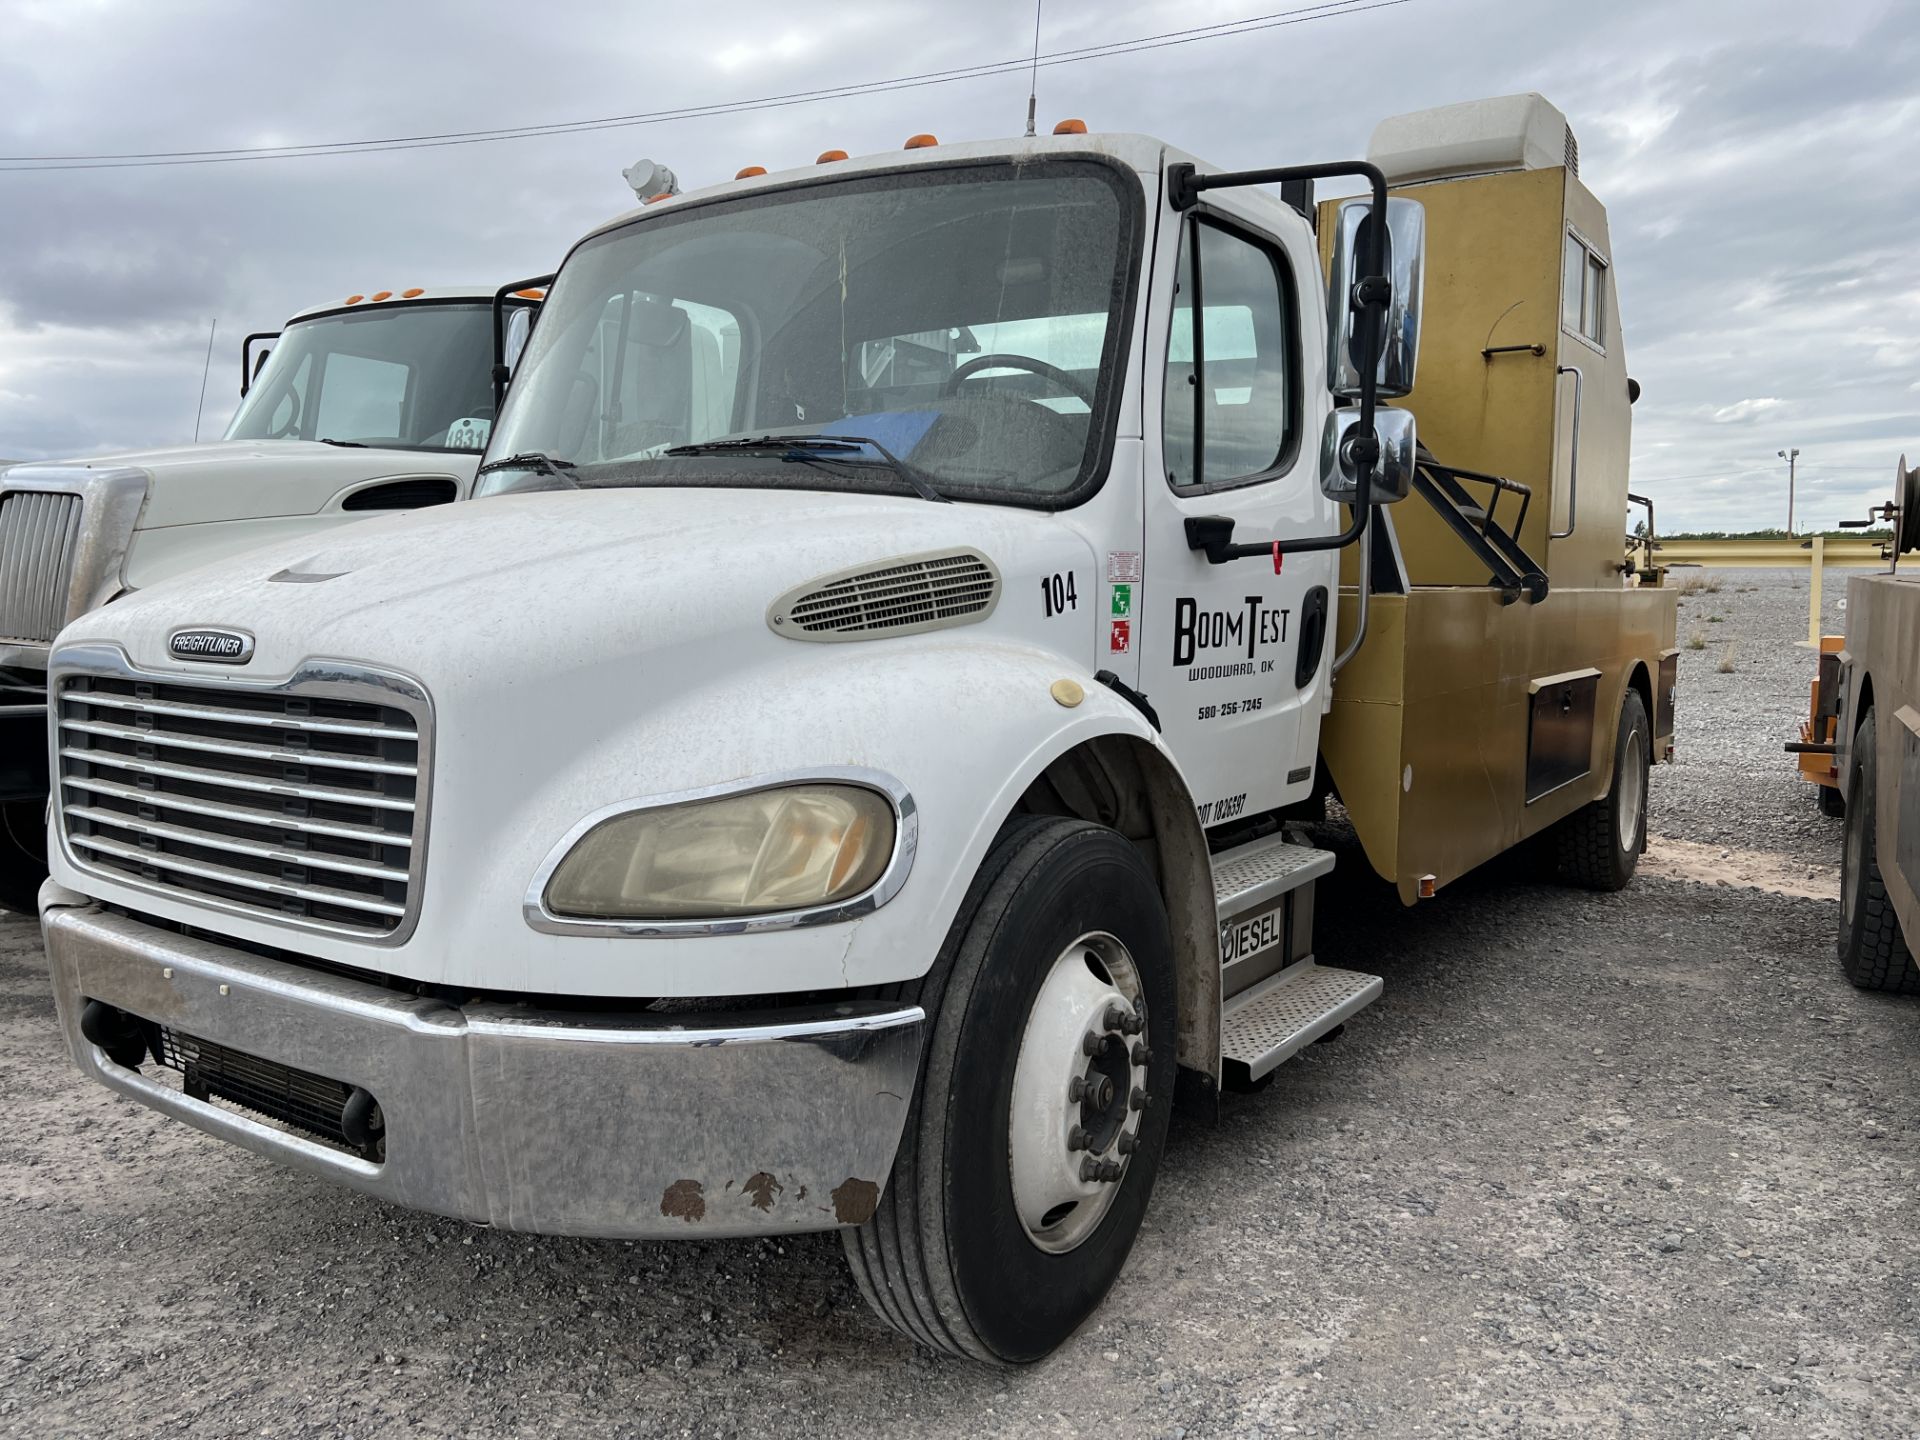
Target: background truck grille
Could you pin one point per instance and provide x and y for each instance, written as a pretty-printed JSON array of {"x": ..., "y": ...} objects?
[
  {"x": 39, "y": 534},
  {"x": 292, "y": 806}
]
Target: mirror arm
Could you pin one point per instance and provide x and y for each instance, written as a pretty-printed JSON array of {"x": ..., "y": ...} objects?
[
  {"x": 248, "y": 373},
  {"x": 1372, "y": 292},
  {"x": 501, "y": 374}
]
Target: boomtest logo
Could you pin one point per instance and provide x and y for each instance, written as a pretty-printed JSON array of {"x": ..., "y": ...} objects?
[{"x": 1196, "y": 630}]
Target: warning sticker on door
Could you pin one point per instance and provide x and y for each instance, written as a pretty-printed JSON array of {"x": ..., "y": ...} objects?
[
  {"x": 1123, "y": 567},
  {"x": 1122, "y": 601},
  {"x": 1120, "y": 638}
]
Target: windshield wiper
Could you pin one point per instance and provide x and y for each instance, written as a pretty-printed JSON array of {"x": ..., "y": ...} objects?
[
  {"x": 808, "y": 448},
  {"x": 345, "y": 444},
  {"x": 532, "y": 460}
]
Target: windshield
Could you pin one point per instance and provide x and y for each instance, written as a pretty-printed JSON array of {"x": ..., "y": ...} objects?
[
  {"x": 966, "y": 320},
  {"x": 412, "y": 377}
]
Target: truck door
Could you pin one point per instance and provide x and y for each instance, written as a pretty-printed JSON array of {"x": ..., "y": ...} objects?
[{"x": 1233, "y": 656}]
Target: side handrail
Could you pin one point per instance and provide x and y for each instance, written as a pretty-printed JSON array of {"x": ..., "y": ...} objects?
[{"x": 1573, "y": 455}]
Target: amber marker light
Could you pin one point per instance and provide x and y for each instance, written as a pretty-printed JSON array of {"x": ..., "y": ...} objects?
[
  {"x": 920, "y": 142},
  {"x": 827, "y": 157},
  {"x": 1071, "y": 127},
  {"x": 748, "y": 172}
]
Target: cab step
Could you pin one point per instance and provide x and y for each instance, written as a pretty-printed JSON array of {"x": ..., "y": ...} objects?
[
  {"x": 1249, "y": 875},
  {"x": 1271, "y": 1021},
  {"x": 1263, "y": 899}
]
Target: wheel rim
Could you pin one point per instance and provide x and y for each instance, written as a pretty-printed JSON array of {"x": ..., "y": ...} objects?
[
  {"x": 1079, "y": 1092},
  {"x": 1631, "y": 801}
]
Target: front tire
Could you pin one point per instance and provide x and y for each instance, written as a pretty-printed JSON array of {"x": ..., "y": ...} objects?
[
  {"x": 23, "y": 854},
  {"x": 1600, "y": 844},
  {"x": 1873, "y": 952},
  {"x": 1011, "y": 1208}
]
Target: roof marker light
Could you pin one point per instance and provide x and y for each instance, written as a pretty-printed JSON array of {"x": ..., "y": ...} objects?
[
  {"x": 355, "y": 299},
  {"x": 382, "y": 295},
  {"x": 749, "y": 171},
  {"x": 529, "y": 294},
  {"x": 1071, "y": 127},
  {"x": 920, "y": 142},
  {"x": 410, "y": 294},
  {"x": 663, "y": 195},
  {"x": 827, "y": 157}
]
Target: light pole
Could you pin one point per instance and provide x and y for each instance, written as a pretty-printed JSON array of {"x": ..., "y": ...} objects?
[{"x": 1790, "y": 456}]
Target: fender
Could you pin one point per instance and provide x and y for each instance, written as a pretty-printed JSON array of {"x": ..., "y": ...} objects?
[{"x": 965, "y": 726}]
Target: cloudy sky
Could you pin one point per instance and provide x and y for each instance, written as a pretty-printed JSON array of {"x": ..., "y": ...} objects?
[{"x": 1760, "y": 160}]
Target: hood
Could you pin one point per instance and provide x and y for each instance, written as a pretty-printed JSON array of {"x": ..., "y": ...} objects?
[
  {"x": 558, "y": 582},
  {"x": 226, "y": 480}
]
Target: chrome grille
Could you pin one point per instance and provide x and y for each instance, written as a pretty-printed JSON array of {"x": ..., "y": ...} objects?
[
  {"x": 294, "y": 805},
  {"x": 39, "y": 534},
  {"x": 922, "y": 592}
]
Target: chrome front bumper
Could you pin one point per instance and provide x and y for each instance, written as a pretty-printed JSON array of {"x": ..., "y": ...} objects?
[{"x": 554, "y": 1122}]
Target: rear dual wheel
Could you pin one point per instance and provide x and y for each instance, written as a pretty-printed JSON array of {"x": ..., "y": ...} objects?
[
  {"x": 1600, "y": 844},
  {"x": 1873, "y": 952},
  {"x": 1037, "y": 1128}
]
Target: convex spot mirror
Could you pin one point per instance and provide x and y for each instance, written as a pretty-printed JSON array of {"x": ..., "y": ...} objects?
[
  {"x": 1392, "y": 472},
  {"x": 1405, "y": 269}
]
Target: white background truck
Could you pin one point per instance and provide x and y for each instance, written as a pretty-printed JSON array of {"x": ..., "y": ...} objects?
[
  {"x": 839, "y": 780},
  {"x": 378, "y": 402}
]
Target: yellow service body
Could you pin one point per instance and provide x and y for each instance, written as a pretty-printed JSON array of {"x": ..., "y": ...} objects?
[{"x": 1434, "y": 720}]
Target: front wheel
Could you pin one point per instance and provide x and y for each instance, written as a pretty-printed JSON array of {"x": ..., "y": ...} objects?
[
  {"x": 1600, "y": 844},
  {"x": 1873, "y": 952},
  {"x": 23, "y": 853},
  {"x": 1037, "y": 1128}
]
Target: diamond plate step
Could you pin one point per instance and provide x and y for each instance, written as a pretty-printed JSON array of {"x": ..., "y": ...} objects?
[
  {"x": 1258, "y": 872},
  {"x": 1278, "y": 1017}
]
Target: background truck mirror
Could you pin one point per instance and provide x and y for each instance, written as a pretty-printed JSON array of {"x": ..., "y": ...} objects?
[
  {"x": 1392, "y": 472},
  {"x": 1405, "y": 269}
]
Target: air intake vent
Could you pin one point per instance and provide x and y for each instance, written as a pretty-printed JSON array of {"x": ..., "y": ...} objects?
[
  {"x": 413, "y": 493},
  {"x": 897, "y": 597},
  {"x": 1573, "y": 153}
]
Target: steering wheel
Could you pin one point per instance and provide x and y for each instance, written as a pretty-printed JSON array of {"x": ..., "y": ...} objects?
[
  {"x": 1066, "y": 379},
  {"x": 292, "y": 397}
]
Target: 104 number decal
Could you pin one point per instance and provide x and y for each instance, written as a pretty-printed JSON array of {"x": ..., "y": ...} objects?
[{"x": 1059, "y": 594}]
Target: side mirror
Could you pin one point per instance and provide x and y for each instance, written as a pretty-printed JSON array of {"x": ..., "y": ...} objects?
[
  {"x": 1405, "y": 269},
  {"x": 1392, "y": 472}
]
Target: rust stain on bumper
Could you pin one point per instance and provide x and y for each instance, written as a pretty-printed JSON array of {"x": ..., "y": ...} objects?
[
  {"x": 854, "y": 1201},
  {"x": 684, "y": 1200}
]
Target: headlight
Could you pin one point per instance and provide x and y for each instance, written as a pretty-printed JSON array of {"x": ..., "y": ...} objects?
[{"x": 753, "y": 853}]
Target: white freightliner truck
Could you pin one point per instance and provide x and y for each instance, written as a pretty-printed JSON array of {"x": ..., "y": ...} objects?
[
  {"x": 837, "y": 780},
  {"x": 374, "y": 403}
]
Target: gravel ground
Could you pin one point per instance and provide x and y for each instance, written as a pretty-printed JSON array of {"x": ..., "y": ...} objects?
[
  {"x": 1637, "y": 1165},
  {"x": 1731, "y": 782}
]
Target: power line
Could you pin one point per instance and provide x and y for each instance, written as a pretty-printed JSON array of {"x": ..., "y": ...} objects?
[{"x": 1332, "y": 9}]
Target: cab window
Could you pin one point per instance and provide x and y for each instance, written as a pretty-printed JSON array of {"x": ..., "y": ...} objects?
[{"x": 1230, "y": 407}]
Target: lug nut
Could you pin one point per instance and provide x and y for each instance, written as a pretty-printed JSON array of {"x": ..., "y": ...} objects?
[
  {"x": 1133, "y": 1024},
  {"x": 1089, "y": 1169},
  {"x": 1093, "y": 1044},
  {"x": 1138, "y": 1100},
  {"x": 1111, "y": 1170},
  {"x": 1077, "y": 1088},
  {"x": 1116, "y": 1018},
  {"x": 1077, "y": 1138},
  {"x": 1126, "y": 1144},
  {"x": 1141, "y": 1055}
]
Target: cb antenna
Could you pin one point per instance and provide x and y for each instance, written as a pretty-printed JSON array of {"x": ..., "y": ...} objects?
[
  {"x": 205, "y": 370},
  {"x": 1033, "y": 76}
]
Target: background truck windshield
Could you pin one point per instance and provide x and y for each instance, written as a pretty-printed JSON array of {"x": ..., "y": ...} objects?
[
  {"x": 401, "y": 376},
  {"x": 968, "y": 318}
]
